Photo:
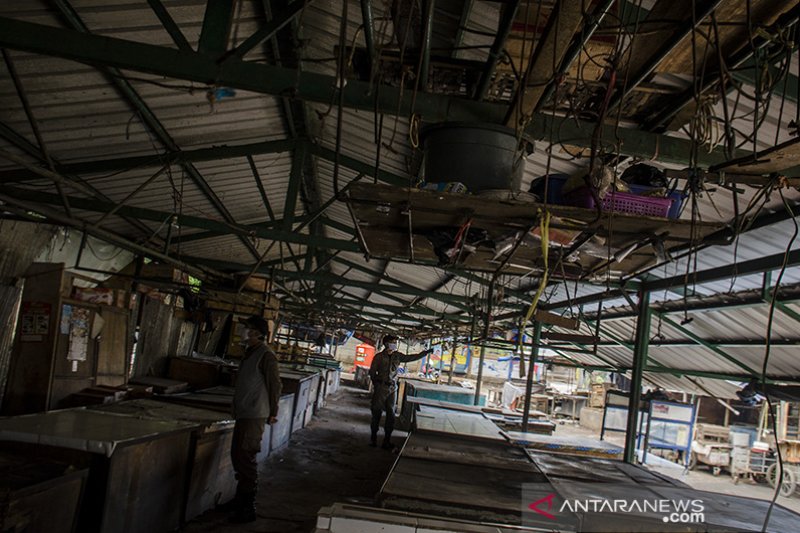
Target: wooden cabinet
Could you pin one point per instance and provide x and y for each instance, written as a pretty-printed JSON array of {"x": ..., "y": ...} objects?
[{"x": 62, "y": 346}]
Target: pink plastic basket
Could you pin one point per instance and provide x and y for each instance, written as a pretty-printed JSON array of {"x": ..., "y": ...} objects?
[{"x": 621, "y": 202}]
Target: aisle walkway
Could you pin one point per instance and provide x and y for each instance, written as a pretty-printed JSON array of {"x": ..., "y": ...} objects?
[{"x": 329, "y": 461}]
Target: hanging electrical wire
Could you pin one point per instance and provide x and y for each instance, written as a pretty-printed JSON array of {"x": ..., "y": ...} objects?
[{"x": 767, "y": 351}]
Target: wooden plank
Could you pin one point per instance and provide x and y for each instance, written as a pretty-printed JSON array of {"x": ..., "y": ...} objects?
[
  {"x": 161, "y": 385},
  {"x": 112, "y": 350},
  {"x": 452, "y": 449},
  {"x": 775, "y": 159},
  {"x": 557, "y": 320},
  {"x": 381, "y": 213},
  {"x": 468, "y": 486},
  {"x": 465, "y": 425}
]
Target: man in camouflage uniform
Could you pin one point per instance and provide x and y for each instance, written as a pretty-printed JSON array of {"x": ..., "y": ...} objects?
[{"x": 383, "y": 373}]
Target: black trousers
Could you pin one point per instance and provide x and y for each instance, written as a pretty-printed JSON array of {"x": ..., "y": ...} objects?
[
  {"x": 247, "y": 434},
  {"x": 383, "y": 399}
]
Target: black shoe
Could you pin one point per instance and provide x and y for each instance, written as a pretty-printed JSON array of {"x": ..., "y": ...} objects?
[
  {"x": 387, "y": 445},
  {"x": 243, "y": 516},
  {"x": 373, "y": 441}
]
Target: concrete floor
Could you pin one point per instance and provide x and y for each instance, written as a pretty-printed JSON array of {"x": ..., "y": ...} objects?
[
  {"x": 328, "y": 461},
  {"x": 701, "y": 478}
]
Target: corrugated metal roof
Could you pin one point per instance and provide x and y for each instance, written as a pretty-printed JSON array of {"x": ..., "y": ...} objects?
[{"x": 83, "y": 118}]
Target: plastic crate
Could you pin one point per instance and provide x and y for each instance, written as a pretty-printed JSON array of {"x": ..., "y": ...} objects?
[
  {"x": 677, "y": 198},
  {"x": 621, "y": 202}
]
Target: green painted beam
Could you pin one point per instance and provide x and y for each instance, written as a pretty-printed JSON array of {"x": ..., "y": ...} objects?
[
  {"x": 397, "y": 282},
  {"x": 424, "y": 312},
  {"x": 639, "y": 364},
  {"x": 295, "y": 179},
  {"x": 710, "y": 346},
  {"x": 788, "y": 311},
  {"x": 368, "y": 169},
  {"x": 331, "y": 279},
  {"x": 216, "y": 27},
  {"x": 754, "y": 266},
  {"x": 270, "y": 28},
  {"x": 663, "y": 370},
  {"x": 29, "y": 148},
  {"x": 150, "y": 161},
  {"x": 745, "y": 74},
  {"x": 116, "y": 78},
  {"x": 336, "y": 280},
  {"x": 202, "y": 235},
  {"x": 184, "y": 220},
  {"x": 688, "y": 343},
  {"x": 347, "y": 310},
  {"x": 169, "y": 24},
  {"x": 274, "y": 80}
]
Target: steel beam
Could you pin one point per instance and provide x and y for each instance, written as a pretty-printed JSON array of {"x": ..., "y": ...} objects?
[
  {"x": 30, "y": 210},
  {"x": 331, "y": 279},
  {"x": 216, "y": 8},
  {"x": 710, "y": 346},
  {"x": 169, "y": 24},
  {"x": 579, "y": 42},
  {"x": 199, "y": 236},
  {"x": 639, "y": 363},
  {"x": 645, "y": 63},
  {"x": 24, "y": 145},
  {"x": 216, "y": 27},
  {"x": 509, "y": 14},
  {"x": 269, "y": 30},
  {"x": 537, "y": 335},
  {"x": 269, "y": 79},
  {"x": 173, "y": 157},
  {"x": 295, "y": 179},
  {"x": 369, "y": 33},
  {"x": 389, "y": 279},
  {"x": 753, "y": 266},
  {"x": 43, "y": 198},
  {"x": 562, "y": 25},
  {"x": 663, "y": 115},
  {"x": 427, "y": 38}
]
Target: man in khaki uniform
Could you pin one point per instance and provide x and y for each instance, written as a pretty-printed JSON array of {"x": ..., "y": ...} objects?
[
  {"x": 255, "y": 403},
  {"x": 383, "y": 373}
]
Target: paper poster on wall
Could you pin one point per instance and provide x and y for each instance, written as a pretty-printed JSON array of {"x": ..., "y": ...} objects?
[
  {"x": 34, "y": 321},
  {"x": 78, "y": 335},
  {"x": 66, "y": 318}
]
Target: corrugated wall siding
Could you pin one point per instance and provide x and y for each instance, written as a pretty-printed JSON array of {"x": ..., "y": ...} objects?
[
  {"x": 158, "y": 338},
  {"x": 10, "y": 298},
  {"x": 20, "y": 243}
]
